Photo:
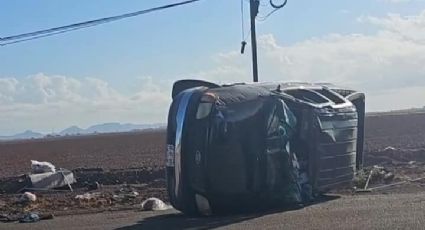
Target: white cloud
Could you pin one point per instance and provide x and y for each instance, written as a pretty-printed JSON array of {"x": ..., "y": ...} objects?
[
  {"x": 388, "y": 66},
  {"x": 7, "y": 87},
  {"x": 51, "y": 103},
  {"x": 408, "y": 28}
]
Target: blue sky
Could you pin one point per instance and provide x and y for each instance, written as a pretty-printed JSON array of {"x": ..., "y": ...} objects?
[
  {"x": 180, "y": 40},
  {"x": 135, "y": 60}
]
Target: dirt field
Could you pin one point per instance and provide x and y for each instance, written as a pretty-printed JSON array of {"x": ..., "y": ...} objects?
[
  {"x": 107, "y": 151},
  {"x": 396, "y": 142},
  {"x": 406, "y": 131},
  {"x": 146, "y": 149}
]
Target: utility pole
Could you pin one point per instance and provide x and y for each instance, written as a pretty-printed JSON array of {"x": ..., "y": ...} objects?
[{"x": 254, "y": 5}]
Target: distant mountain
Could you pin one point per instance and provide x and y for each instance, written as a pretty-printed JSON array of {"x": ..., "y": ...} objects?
[
  {"x": 25, "y": 135},
  {"x": 73, "y": 130},
  {"x": 113, "y": 127},
  {"x": 398, "y": 112},
  {"x": 109, "y": 128}
]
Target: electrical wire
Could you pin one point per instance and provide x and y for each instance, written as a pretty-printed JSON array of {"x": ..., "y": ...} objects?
[
  {"x": 63, "y": 29},
  {"x": 247, "y": 35},
  {"x": 263, "y": 18},
  {"x": 44, "y": 35},
  {"x": 276, "y": 8},
  {"x": 243, "y": 20},
  {"x": 244, "y": 37}
]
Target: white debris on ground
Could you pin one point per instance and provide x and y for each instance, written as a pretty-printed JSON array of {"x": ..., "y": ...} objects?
[
  {"x": 88, "y": 196},
  {"x": 52, "y": 180},
  {"x": 42, "y": 167},
  {"x": 154, "y": 204},
  {"x": 28, "y": 197},
  {"x": 44, "y": 175},
  {"x": 125, "y": 196},
  {"x": 390, "y": 148},
  {"x": 411, "y": 162},
  {"x": 381, "y": 173}
]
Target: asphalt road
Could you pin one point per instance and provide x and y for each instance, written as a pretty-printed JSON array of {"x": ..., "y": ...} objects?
[{"x": 392, "y": 211}]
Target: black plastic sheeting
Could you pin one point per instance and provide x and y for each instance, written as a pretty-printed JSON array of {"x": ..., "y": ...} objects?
[{"x": 261, "y": 143}]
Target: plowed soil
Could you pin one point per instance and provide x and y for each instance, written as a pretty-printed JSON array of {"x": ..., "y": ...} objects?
[
  {"x": 146, "y": 149},
  {"x": 396, "y": 142},
  {"x": 107, "y": 151},
  {"x": 404, "y": 131}
]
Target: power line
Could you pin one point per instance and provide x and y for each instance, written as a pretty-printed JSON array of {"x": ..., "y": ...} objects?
[
  {"x": 63, "y": 29},
  {"x": 275, "y": 7},
  {"x": 278, "y": 6},
  {"x": 263, "y": 18},
  {"x": 42, "y": 36},
  {"x": 243, "y": 20}
]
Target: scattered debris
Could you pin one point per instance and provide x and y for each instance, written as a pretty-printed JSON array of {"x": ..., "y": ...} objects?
[
  {"x": 368, "y": 178},
  {"x": 28, "y": 197},
  {"x": 50, "y": 180},
  {"x": 125, "y": 188},
  {"x": 388, "y": 177},
  {"x": 96, "y": 192},
  {"x": 94, "y": 200},
  {"x": 382, "y": 174},
  {"x": 361, "y": 182},
  {"x": 34, "y": 217},
  {"x": 125, "y": 193},
  {"x": 67, "y": 178},
  {"x": 42, "y": 167},
  {"x": 8, "y": 218},
  {"x": 13, "y": 185},
  {"x": 398, "y": 183},
  {"x": 377, "y": 175},
  {"x": 93, "y": 186},
  {"x": 390, "y": 148},
  {"x": 360, "y": 190},
  {"x": 88, "y": 196},
  {"x": 125, "y": 196},
  {"x": 134, "y": 194},
  {"x": 154, "y": 204},
  {"x": 389, "y": 185},
  {"x": 30, "y": 218},
  {"x": 360, "y": 179}
]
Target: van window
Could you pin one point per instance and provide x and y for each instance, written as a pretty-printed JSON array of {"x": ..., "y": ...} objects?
[
  {"x": 307, "y": 95},
  {"x": 331, "y": 96},
  {"x": 204, "y": 109}
]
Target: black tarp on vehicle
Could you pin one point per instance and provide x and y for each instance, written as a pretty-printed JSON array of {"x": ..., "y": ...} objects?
[{"x": 249, "y": 145}]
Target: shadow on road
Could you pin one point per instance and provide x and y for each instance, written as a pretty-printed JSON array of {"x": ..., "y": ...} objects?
[{"x": 180, "y": 221}]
